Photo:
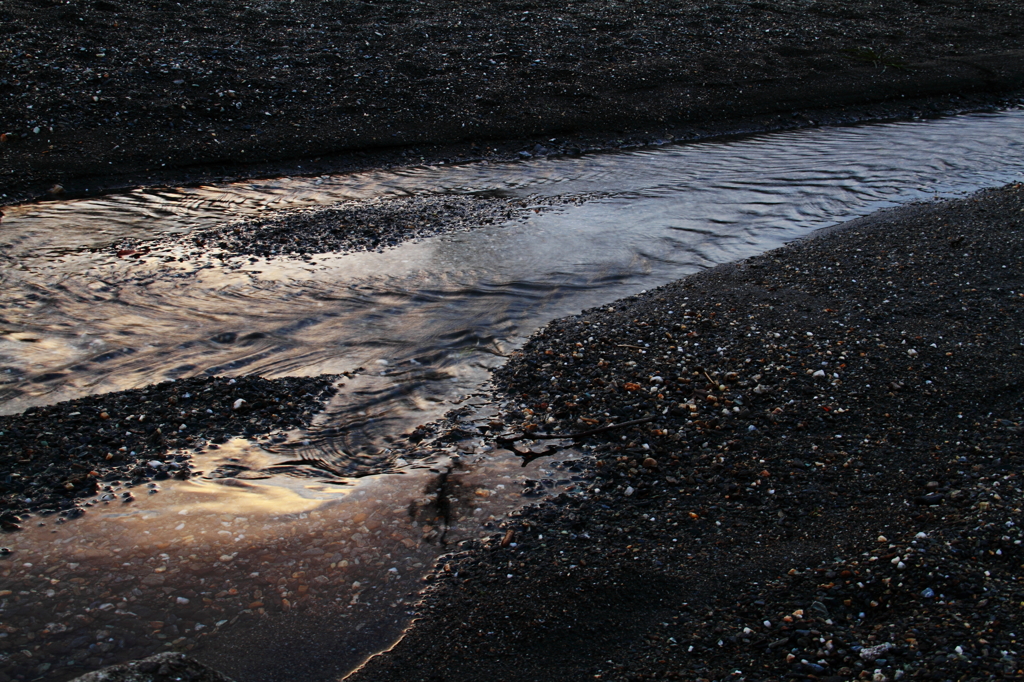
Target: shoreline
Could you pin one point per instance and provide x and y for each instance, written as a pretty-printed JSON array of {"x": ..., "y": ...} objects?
[
  {"x": 505, "y": 150},
  {"x": 629, "y": 559},
  {"x": 868, "y": 523},
  {"x": 842, "y": 535},
  {"x": 262, "y": 91}
]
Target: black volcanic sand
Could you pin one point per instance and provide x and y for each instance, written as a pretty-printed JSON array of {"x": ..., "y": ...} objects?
[
  {"x": 101, "y": 94},
  {"x": 53, "y": 457},
  {"x": 829, "y": 487},
  {"x": 358, "y": 225}
]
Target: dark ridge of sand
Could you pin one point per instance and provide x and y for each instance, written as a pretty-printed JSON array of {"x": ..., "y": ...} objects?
[
  {"x": 123, "y": 93},
  {"x": 842, "y": 500},
  {"x": 344, "y": 227}
]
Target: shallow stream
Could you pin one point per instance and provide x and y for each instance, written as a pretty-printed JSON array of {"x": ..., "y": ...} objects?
[{"x": 293, "y": 575}]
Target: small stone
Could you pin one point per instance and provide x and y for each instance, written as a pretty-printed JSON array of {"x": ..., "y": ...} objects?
[
  {"x": 650, "y": 463},
  {"x": 629, "y": 491},
  {"x": 873, "y": 652}
]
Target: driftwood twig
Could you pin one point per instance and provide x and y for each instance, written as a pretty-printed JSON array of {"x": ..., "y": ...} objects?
[{"x": 508, "y": 442}]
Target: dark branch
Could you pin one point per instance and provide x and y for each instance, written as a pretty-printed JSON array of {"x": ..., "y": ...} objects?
[{"x": 508, "y": 442}]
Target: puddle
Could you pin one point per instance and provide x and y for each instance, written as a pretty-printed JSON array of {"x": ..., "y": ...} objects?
[
  {"x": 262, "y": 579},
  {"x": 277, "y": 563}
]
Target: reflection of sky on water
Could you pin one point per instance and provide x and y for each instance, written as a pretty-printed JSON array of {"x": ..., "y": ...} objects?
[{"x": 260, "y": 578}]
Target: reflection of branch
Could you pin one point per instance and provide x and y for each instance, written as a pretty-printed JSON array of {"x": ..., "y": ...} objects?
[
  {"x": 528, "y": 456},
  {"x": 314, "y": 463},
  {"x": 444, "y": 502}
]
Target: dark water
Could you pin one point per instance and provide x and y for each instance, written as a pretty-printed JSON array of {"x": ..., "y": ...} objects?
[{"x": 310, "y": 562}]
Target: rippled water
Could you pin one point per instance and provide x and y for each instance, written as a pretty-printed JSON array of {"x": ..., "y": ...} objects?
[{"x": 424, "y": 321}]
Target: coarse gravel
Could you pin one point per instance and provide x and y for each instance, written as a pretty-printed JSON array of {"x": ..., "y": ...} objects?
[
  {"x": 829, "y": 487},
  {"x": 53, "y": 458}
]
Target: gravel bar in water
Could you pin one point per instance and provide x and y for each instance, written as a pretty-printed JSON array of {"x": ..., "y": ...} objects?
[
  {"x": 359, "y": 225},
  {"x": 828, "y": 486},
  {"x": 53, "y": 456}
]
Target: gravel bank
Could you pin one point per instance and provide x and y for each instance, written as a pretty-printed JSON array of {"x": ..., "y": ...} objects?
[
  {"x": 116, "y": 93},
  {"x": 364, "y": 225},
  {"x": 54, "y": 456},
  {"x": 828, "y": 488}
]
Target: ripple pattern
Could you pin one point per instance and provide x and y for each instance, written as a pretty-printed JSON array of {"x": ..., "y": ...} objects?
[{"x": 421, "y": 324}]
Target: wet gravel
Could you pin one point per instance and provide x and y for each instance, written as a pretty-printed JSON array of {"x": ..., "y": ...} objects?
[
  {"x": 115, "y": 93},
  {"x": 362, "y": 225},
  {"x": 53, "y": 457},
  {"x": 158, "y": 668},
  {"x": 828, "y": 486}
]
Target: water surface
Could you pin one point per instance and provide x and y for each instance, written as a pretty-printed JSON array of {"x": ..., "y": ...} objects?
[{"x": 317, "y": 575}]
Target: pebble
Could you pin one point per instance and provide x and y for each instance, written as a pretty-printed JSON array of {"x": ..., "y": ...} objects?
[{"x": 873, "y": 652}]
